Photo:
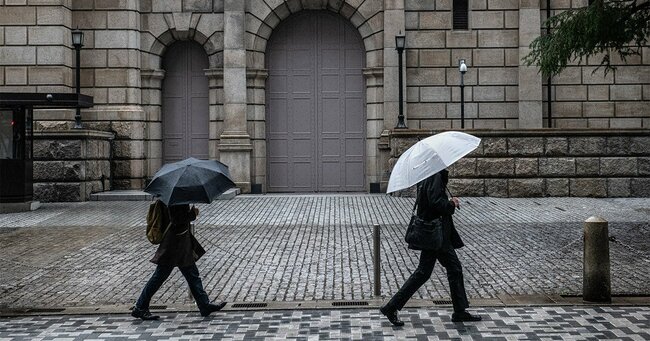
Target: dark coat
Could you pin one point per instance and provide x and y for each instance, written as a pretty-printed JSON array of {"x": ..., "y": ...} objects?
[
  {"x": 433, "y": 203},
  {"x": 179, "y": 247}
]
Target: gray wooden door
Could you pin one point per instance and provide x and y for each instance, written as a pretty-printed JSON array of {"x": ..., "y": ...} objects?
[
  {"x": 315, "y": 106},
  {"x": 185, "y": 110}
]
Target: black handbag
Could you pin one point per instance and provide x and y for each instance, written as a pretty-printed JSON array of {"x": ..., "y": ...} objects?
[{"x": 421, "y": 234}]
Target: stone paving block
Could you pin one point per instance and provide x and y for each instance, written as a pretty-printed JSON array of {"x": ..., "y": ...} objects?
[
  {"x": 552, "y": 322},
  {"x": 314, "y": 247}
]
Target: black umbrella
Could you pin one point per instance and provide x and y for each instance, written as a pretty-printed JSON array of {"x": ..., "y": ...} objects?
[{"x": 190, "y": 181}]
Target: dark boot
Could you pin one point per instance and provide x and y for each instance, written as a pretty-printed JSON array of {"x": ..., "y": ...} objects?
[
  {"x": 464, "y": 316},
  {"x": 391, "y": 315},
  {"x": 143, "y": 314},
  {"x": 210, "y": 308}
]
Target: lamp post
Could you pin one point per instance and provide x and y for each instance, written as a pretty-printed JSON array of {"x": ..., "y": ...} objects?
[
  {"x": 462, "y": 67},
  {"x": 77, "y": 42},
  {"x": 400, "y": 42}
]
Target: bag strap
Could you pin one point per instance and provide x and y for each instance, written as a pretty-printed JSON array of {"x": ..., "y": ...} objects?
[{"x": 417, "y": 198}]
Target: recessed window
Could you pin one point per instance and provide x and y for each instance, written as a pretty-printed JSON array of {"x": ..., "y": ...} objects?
[{"x": 461, "y": 14}]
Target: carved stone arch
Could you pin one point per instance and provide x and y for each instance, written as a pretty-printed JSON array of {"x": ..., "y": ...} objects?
[
  {"x": 153, "y": 56},
  {"x": 276, "y": 11}
]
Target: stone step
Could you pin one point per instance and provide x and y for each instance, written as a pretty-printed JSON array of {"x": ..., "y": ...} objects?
[
  {"x": 19, "y": 207},
  {"x": 137, "y": 195}
]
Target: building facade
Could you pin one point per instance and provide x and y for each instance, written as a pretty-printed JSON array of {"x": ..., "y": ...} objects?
[{"x": 303, "y": 95}]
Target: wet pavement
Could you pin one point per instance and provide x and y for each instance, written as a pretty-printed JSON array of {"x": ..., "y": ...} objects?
[{"x": 312, "y": 248}]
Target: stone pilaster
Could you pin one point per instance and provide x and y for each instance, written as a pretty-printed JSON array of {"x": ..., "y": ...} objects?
[
  {"x": 235, "y": 146},
  {"x": 530, "y": 80},
  {"x": 151, "y": 104},
  {"x": 256, "y": 85},
  {"x": 215, "y": 95}
]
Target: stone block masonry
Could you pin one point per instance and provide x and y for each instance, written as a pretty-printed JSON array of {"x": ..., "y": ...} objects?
[
  {"x": 70, "y": 165},
  {"x": 126, "y": 42},
  {"x": 538, "y": 163}
]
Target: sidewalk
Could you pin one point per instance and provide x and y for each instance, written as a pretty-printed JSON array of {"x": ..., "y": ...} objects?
[
  {"x": 279, "y": 248},
  {"x": 528, "y": 323}
]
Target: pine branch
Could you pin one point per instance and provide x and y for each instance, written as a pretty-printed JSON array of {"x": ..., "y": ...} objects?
[{"x": 603, "y": 27}]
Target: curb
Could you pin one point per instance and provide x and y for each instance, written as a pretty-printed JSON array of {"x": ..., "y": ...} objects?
[{"x": 504, "y": 301}]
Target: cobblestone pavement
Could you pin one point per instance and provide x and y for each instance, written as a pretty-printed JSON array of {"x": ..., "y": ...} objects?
[
  {"x": 313, "y": 247},
  {"x": 529, "y": 323}
]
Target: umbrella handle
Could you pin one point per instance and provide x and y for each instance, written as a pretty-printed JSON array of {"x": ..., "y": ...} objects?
[{"x": 448, "y": 191}]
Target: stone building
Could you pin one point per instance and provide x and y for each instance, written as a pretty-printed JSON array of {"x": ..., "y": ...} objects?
[{"x": 302, "y": 95}]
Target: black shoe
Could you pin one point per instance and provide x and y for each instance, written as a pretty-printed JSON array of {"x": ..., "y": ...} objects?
[
  {"x": 392, "y": 316},
  {"x": 210, "y": 308},
  {"x": 143, "y": 314},
  {"x": 464, "y": 316}
]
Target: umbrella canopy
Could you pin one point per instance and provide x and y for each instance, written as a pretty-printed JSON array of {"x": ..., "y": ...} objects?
[
  {"x": 190, "y": 181},
  {"x": 430, "y": 156}
]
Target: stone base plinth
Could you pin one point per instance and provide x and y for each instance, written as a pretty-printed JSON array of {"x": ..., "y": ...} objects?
[{"x": 549, "y": 162}]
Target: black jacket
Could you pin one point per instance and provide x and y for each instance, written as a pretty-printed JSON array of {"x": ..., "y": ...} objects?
[
  {"x": 179, "y": 247},
  {"x": 433, "y": 202}
]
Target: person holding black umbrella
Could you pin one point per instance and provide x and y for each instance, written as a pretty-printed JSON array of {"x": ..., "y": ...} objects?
[
  {"x": 179, "y": 249},
  {"x": 177, "y": 185}
]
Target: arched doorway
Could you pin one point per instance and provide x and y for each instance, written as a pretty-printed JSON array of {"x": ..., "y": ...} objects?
[
  {"x": 315, "y": 105},
  {"x": 185, "y": 104}
]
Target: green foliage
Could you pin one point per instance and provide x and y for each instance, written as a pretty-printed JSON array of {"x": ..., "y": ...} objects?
[{"x": 604, "y": 27}]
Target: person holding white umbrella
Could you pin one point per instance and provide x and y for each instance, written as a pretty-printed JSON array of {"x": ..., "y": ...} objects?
[{"x": 425, "y": 163}]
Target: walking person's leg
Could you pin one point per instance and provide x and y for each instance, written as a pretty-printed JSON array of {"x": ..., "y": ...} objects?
[
  {"x": 191, "y": 274},
  {"x": 412, "y": 284},
  {"x": 449, "y": 259},
  {"x": 141, "y": 308}
]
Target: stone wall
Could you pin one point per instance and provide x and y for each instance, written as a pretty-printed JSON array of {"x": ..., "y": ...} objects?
[
  {"x": 70, "y": 165},
  {"x": 490, "y": 49},
  {"x": 500, "y": 92},
  {"x": 583, "y": 97},
  {"x": 534, "y": 163},
  {"x": 125, "y": 41}
]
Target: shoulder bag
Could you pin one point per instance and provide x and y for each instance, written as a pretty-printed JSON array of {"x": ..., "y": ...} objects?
[{"x": 421, "y": 234}]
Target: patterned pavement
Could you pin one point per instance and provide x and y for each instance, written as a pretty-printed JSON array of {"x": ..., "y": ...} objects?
[
  {"x": 521, "y": 323},
  {"x": 313, "y": 247}
]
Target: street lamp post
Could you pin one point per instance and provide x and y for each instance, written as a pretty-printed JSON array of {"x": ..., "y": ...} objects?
[
  {"x": 462, "y": 67},
  {"x": 78, "y": 42},
  {"x": 400, "y": 42}
]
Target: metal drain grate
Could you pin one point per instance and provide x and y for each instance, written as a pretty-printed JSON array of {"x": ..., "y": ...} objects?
[
  {"x": 46, "y": 310},
  {"x": 349, "y": 303},
  {"x": 249, "y": 305},
  {"x": 157, "y": 307},
  {"x": 441, "y": 302}
]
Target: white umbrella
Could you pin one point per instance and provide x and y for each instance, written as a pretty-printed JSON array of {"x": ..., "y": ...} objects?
[{"x": 430, "y": 156}]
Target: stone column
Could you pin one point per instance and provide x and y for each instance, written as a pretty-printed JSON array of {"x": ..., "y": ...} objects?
[
  {"x": 393, "y": 25},
  {"x": 530, "y": 80},
  {"x": 235, "y": 146}
]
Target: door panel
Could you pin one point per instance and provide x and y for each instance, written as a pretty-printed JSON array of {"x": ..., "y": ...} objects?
[
  {"x": 315, "y": 105},
  {"x": 185, "y": 104}
]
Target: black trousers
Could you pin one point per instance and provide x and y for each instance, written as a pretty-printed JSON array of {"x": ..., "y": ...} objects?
[
  {"x": 449, "y": 260},
  {"x": 191, "y": 274}
]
